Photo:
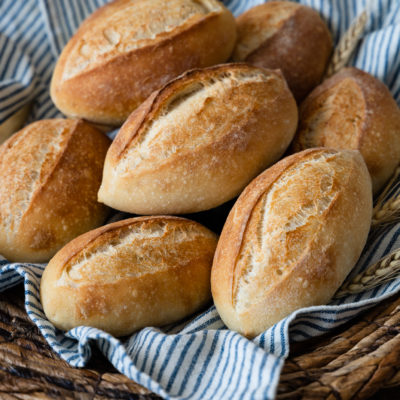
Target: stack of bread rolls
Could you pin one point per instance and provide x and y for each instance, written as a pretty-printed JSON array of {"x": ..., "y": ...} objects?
[{"x": 198, "y": 129}]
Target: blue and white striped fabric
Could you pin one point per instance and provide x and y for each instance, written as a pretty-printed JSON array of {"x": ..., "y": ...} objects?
[{"x": 199, "y": 358}]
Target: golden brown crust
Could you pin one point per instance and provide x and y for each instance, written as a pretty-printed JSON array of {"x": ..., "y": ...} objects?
[
  {"x": 353, "y": 110},
  {"x": 231, "y": 238},
  {"x": 243, "y": 209},
  {"x": 199, "y": 140},
  {"x": 139, "y": 272},
  {"x": 154, "y": 105},
  {"x": 82, "y": 241},
  {"x": 291, "y": 238},
  {"x": 108, "y": 92},
  {"x": 297, "y": 42},
  {"x": 50, "y": 173}
]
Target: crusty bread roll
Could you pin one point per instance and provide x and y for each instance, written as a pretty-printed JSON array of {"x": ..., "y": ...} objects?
[
  {"x": 146, "y": 271},
  {"x": 288, "y": 36},
  {"x": 14, "y": 123},
  {"x": 129, "y": 48},
  {"x": 50, "y": 173},
  {"x": 199, "y": 140},
  {"x": 353, "y": 110},
  {"x": 292, "y": 237}
]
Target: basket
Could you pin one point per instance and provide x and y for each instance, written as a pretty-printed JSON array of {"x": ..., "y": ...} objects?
[
  {"x": 355, "y": 361},
  {"x": 352, "y": 363}
]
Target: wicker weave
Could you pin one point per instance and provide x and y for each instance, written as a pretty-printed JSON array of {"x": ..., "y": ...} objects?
[
  {"x": 352, "y": 364},
  {"x": 30, "y": 369}
]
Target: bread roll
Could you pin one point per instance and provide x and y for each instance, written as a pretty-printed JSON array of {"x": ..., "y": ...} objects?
[
  {"x": 353, "y": 110},
  {"x": 50, "y": 173},
  {"x": 291, "y": 239},
  {"x": 139, "y": 272},
  {"x": 129, "y": 48},
  {"x": 199, "y": 140},
  {"x": 288, "y": 36}
]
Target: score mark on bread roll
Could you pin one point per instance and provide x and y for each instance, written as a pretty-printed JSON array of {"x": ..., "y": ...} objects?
[
  {"x": 353, "y": 110},
  {"x": 129, "y": 48},
  {"x": 291, "y": 238},
  {"x": 199, "y": 140},
  {"x": 287, "y": 36},
  {"x": 50, "y": 173},
  {"x": 139, "y": 272}
]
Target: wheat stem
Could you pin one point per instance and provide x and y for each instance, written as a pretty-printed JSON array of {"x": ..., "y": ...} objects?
[
  {"x": 346, "y": 45},
  {"x": 389, "y": 211},
  {"x": 382, "y": 271}
]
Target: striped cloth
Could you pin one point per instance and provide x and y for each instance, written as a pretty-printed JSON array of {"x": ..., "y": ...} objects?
[{"x": 200, "y": 358}]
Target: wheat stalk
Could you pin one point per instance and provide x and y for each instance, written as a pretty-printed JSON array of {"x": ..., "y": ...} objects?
[
  {"x": 389, "y": 211},
  {"x": 382, "y": 271},
  {"x": 346, "y": 45}
]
